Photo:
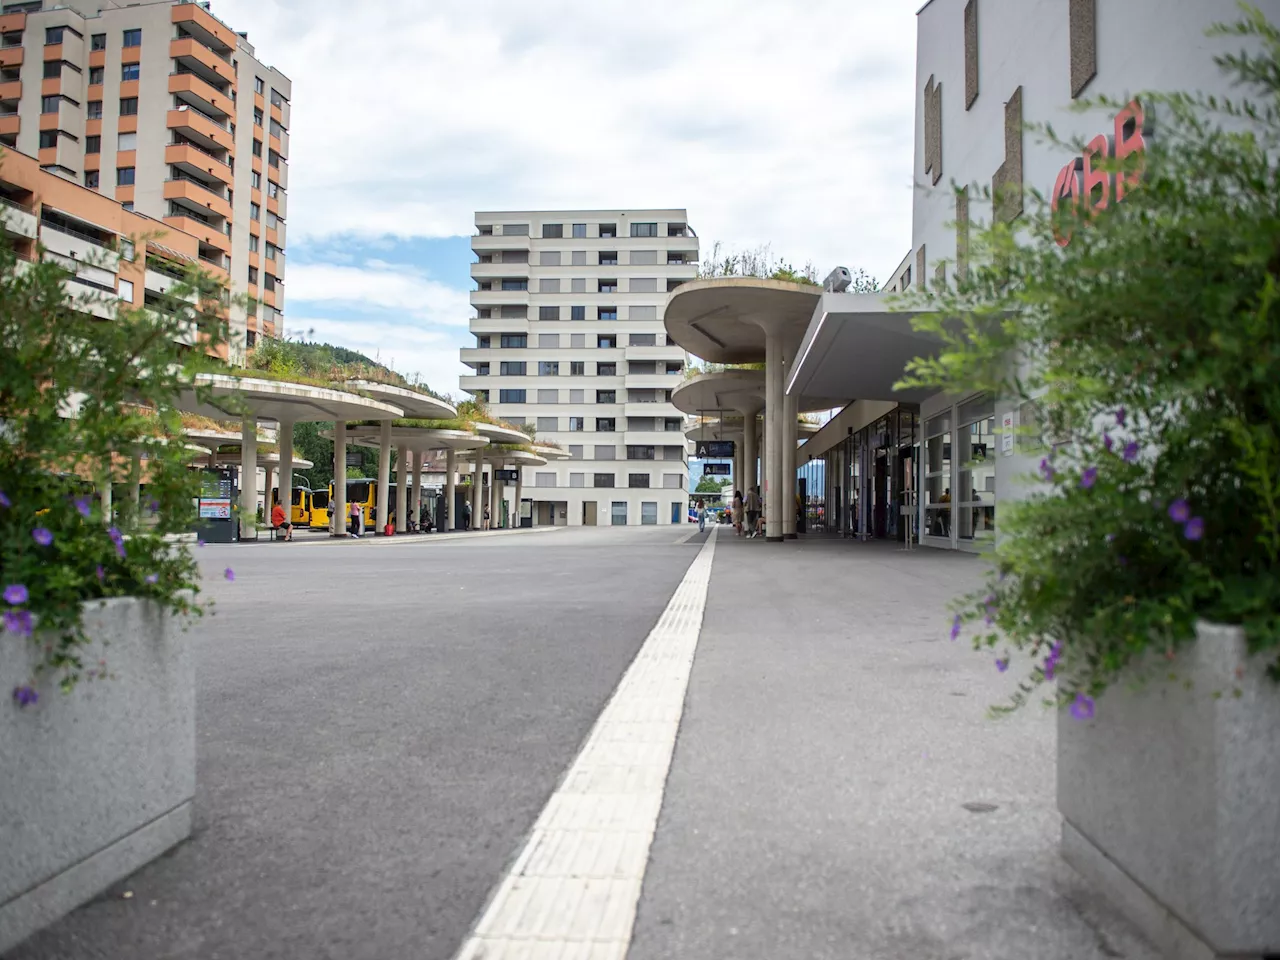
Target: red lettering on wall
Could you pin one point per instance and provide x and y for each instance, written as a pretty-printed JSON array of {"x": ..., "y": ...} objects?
[
  {"x": 1081, "y": 182},
  {"x": 1066, "y": 193},
  {"x": 1131, "y": 130},
  {"x": 1097, "y": 183}
]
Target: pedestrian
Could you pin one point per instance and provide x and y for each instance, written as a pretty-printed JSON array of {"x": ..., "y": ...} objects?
[
  {"x": 355, "y": 521},
  {"x": 737, "y": 512},
  {"x": 466, "y": 516},
  {"x": 281, "y": 522},
  {"x": 486, "y": 518},
  {"x": 753, "y": 510},
  {"x": 702, "y": 517}
]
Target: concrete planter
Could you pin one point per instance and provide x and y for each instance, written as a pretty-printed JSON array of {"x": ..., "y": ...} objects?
[
  {"x": 1170, "y": 801},
  {"x": 98, "y": 783}
]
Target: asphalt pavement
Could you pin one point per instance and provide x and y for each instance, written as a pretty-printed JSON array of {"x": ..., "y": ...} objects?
[{"x": 379, "y": 725}]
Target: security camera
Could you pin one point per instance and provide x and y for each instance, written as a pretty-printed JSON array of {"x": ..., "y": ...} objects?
[{"x": 838, "y": 280}]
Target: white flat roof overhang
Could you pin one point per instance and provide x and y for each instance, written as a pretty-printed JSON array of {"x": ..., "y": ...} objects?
[
  {"x": 732, "y": 390},
  {"x": 278, "y": 400},
  {"x": 723, "y": 320},
  {"x": 856, "y": 348},
  {"x": 414, "y": 404}
]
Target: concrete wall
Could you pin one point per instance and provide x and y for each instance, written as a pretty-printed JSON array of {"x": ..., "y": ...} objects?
[
  {"x": 1170, "y": 803},
  {"x": 98, "y": 782}
]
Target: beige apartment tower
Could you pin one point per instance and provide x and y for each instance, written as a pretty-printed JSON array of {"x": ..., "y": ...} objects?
[
  {"x": 570, "y": 340},
  {"x": 164, "y": 108}
]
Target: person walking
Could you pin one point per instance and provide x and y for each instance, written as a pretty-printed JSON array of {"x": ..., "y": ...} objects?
[
  {"x": 702, "y": 517},
  {"x": 737, "y": 512},
  {"x": 355, "y": 521},
  {"x": 753, "y": 510}
]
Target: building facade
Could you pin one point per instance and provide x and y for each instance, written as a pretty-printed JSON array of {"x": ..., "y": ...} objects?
[
  {"x": 570, "y": 341},
  {"x": 165, "y": 109},
  {"x": 984, "y": 70}
]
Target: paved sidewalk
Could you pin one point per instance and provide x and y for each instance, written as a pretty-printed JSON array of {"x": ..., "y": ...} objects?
[{"x": 831, "y": 739}]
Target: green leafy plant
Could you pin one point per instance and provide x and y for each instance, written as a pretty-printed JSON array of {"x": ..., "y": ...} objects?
[
  {"x": 87, "y": 404},
  {"x": 1148, "y": 350}
]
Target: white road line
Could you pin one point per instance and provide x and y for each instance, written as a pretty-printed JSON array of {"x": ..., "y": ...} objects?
[{"x": 573, "y": 890}]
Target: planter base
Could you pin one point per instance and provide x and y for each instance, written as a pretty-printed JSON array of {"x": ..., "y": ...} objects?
[
  {"x": 37, "y": 908},
  {"x": 1174, "y": 939}
]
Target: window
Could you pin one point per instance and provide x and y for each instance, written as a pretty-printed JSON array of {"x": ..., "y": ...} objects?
[
  {"x": 511, "y": 396},
  {"x": 608, "y": 286},
  {"x": 673, "y": 453},
  {"x": 93, "y": 110},
  {"x": 268, "y": 281},
  {"x": 675, "y": 230},
  {"x": 604, "y": 480},
  {"x": 273, "y": 158},
  {"x": 606, "y": 425},
  {"x": 257, "y": 116},
  {"x": 125, "y": 291},
  {"x": 482, "y": 343},
  {"x": 552, "y": 231},
  {"x": 482, "y": 395},
  {"x": 250, "y": 338},
  {"x": 548, "y": 340},
  {"x": 643, "y": 285},
  {"x": 644, "y": 229},
  {"x": 673, "y": 481},
  {"x": 609, "y": 342},
  {"x": 606, "y": 396},
  {"x": 50, "y": 104},
  {"x": 515, "y": 229},
  {"x": 549, "y": 258},
  {"x": 548, "y": 368},
  {"x": 98, "y": 41},
  {"x": 514, "y": 340},
  {"x": 606, "y": 369},
  {"x": 91, "y": 178},
  {"x": 577, "y": 479},
  {"x": 127, "y": 141},
  {"x": 548, "y": 396},
  {"x": 132, "y": 38},
  {"x": 578, "y": 397},
  {"x": 609, "y": 258},
  {"x": 512, "y": 368},
  {"x": 608, "y": 229},
  {"x": 577, "y": 424},
  {"x": 674, "y": 284},
  {"x": 127, "y": 205},
  {"x": 257, "y": 147},
  {"x": 544, "y": 479},
  {"x": 644, "y": 257},
  {"x": 608, "y": 313},
  {"x": 976, "y": 473},
  {"x": 577, "y": 313},
  {"x": 253, "y": 275},
  {"x": 649, "y": 514},
  {"x": 52, "y": 69},
  {"x": 258, "y": 85},
  {"x": 129, "y": 71},
  {"x": 274, "y": 128},
  {"x": 578, "y": 258},
  {"x": 637, "y": 481},
  {"x": 256, "y": 180},
  {"x": 577, "y": 341},
  {"x": 548, "y": 286},
  {"x": 253, "y": 243},
  {"x": 579, "y": 230},
  {"x": 641, "y": 453},
  {"x": 578, "y": 285},
  {"x": 642, "y": 340},
  {"x": 128, "y": 106},
  {"x": 515, "y": 285},
  {"x": 675, "y": 367},
  {"x": 271, "y": 252},
  {"x": 671, "y": 424},
  {"x": 52, "y": 35},
  {"x": 97, "y": 75},
  {"x": 577, "y": 368},
  {"x": 513, "y": 312},
  {"x": 548, "y": 424},
  {"x": 48, "y": 138},
  {"x": 255, "y": 212}
]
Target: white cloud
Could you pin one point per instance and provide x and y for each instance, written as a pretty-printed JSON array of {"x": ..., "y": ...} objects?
[
  {"x": 789, "y": 123},
  {"x": 377, "y": 284}
]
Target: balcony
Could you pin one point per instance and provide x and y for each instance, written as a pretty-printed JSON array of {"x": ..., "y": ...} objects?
[
  {"x": 201, "y": 94},
  {"x": 200, "y": 23},
  {"x": 196, "y": 194},
  {"x": 654, "y": 438},
  {"x": 158, "y": 281},
  {"x": 194, "y": 160},
  {"x": 279, "y": 204},
  {"x": 11, "y": 57},
  {"x": 11, "y": 90},
  {"x": 17, "y": 218},
  {"x": 9, "y": 125},
  {"x": 198, "y": 58},
  {"x": 13, "y": 23},
  {"x": 669, "y": 351},
  {"x": 498, "y": 325},
  {"x": 489, "y": 243},
  {"x": 652, "y": 381},
  {"x": 663, "y": 408},
  {"x": 473, "y": 383},
  {"x": 205, "y": 233},
  {"x": 496, "y": 271},
  {"x": 84, "y": 245},
  {"x": 194, "y": 125},
  {"x": 276, "y": 266},
  {"x": 499, "y": 298},
  {"x": 216, "y": 266}
]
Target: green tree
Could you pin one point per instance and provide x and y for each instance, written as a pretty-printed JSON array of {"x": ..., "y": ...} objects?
[
  {"x": 710, "y": 484},
  {"x": 1148, "y": 349}
]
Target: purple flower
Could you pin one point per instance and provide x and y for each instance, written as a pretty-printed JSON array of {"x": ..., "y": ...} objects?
[
  {"x": 1002, "y": 664},
  {"x": 24, "y": 696},
  {"x": 1111, "y": 538},
  {"x": 1179, "y": 512},
  {"x": 42, "y": 536},
  {"x": 1131, "y": 451},
  {"x": 15, "y": 594},
  {"x": 1194, "y": 529},
  {"x": 1046, "y": 469},
  {"x": 152, "y": 578},
  {"x": 1051, "y": 661},
  {"x": 18, "y": 621},
  {"x": 1120, "y": 416},
  {"x": 4, "y": 501},
  {"x": 1082, "y": 708},
  {"x": 955, "y": 628},
  {"x": 1107, "y": 441},
  {"x": 230, "y": 574},
  {"x": 199, "y": 541},
  {"x": 83, "y": 506},
  {"x": 154, "y": 506},
  {"x": 102, "y": 574},
  {"x": 118, "y": 539},
  {"x": 1089, "y": 477}
]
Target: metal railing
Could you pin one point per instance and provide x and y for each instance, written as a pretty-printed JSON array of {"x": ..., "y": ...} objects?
[
  {"x": 186, "y": 178},
  {"x": 10, "y": 202},
  {"x": 199, "y": 149},
  {"x": 48, "y": 224}
]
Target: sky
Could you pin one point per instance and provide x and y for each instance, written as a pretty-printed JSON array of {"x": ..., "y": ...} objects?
[{"x": 781, "y": 124}]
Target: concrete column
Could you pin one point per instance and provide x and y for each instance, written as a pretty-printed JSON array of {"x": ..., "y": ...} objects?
[
  {"x": 248, "y": 477},
  {"x": 477, "y": 484},
  {"x": 338, "y": 502},
  {"x": 749, "y": 449},
  {"x": 415, "y": 490},
  {"x": 384, "y": 476},
  {"x": 402, "y": 487},
  {"x": 268, "y": 476},
  {"x": 286, "y": 467},
  {"x": 774, "y": 414},
  {"x": 449, "y": 521},
  {"x": 519, "y": 496},
  {"x": 790, "y": 435},
  {"x": 493, "y": 495}
]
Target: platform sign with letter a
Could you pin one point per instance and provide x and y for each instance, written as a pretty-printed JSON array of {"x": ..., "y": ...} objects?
[
  {"x": 717, "y": 469},
  {"x": 714, "y": 450}
]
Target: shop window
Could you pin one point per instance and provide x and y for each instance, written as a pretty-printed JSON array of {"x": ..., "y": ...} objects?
[{"x": 976, "y": 478}]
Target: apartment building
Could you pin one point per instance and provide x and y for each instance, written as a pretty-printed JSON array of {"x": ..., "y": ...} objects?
[
  {"x": 570, "y": 340},
  {"x": 165, "y": 109}
]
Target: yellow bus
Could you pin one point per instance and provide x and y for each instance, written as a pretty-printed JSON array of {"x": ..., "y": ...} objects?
[
  {"x": 361, "y": 490},
  {"x": 300, "y": 508},
  {"x": 319, "y": 518}
]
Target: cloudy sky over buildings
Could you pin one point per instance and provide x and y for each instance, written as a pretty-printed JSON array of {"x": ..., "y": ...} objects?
[{"x": 410, "y": 115}]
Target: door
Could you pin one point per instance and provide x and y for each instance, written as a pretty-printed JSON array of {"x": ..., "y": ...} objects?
[
  {"x": 619, "y": 513},
  {"x": 676, "y": 510},
  {"x": 649, "y": 514},
  {"x": 588, "y": 513},
  {"x": 880, "y": 494}
]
